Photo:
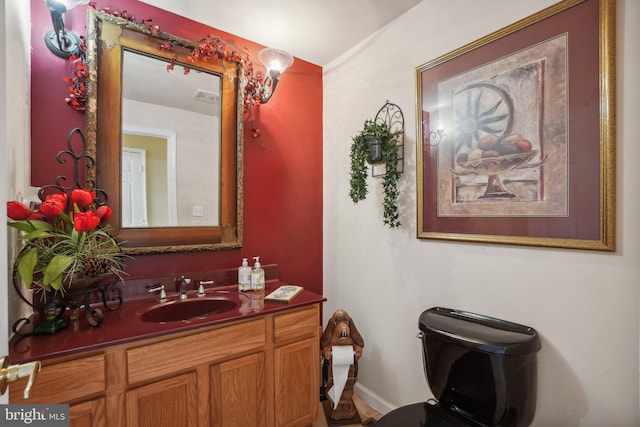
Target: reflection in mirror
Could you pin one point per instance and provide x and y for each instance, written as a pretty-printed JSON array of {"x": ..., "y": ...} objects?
[
  {"x": 184, "y": 131},
  {"x": 170, "y": 145}
]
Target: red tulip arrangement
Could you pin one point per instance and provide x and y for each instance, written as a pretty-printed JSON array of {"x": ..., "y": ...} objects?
[{"x": 60, "y": 244}]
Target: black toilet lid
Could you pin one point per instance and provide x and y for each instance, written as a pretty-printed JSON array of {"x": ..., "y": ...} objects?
[{"x": 422, "y": 414}]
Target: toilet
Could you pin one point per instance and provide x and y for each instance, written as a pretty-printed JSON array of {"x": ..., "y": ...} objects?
[{"x": 482, "y": 372}]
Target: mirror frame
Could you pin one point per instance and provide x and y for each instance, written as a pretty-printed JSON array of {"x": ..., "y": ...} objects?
[{"x": 107, "y": 37}]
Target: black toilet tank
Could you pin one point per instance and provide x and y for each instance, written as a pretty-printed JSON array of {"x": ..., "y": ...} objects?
[{"x": 480, "y": 368}]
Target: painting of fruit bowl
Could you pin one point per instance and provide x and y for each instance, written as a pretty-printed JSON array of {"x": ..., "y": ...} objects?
[
  {"x": 494, "y": 155},
  {"x": 493, "y": 165}
]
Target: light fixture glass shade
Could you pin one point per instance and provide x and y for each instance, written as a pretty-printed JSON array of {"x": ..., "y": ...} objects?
[
  {"x": 68, "y": 4},
  {"x": 275, "y": 60},
  {"x": 61, "y": 42}
]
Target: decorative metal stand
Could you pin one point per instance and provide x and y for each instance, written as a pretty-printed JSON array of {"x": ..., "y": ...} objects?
[
  {"x": 75, "y": 300},
  {"x": 110, "y": 293},
  {"x": 391, "y": 115}
]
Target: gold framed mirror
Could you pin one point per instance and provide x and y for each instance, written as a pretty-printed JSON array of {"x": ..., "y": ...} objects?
[{"x": 186, "y": 190}]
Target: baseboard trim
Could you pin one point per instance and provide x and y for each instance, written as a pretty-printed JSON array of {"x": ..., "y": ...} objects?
[{"x": 373, "y": 400}]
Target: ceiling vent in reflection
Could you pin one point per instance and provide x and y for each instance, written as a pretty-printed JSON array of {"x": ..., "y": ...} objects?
[{"x": 204, "y": 96}]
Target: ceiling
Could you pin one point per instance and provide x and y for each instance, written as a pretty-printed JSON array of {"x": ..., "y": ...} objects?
[
  {"x": 312, "y": 30},
  {"x": 195, "y": 92}
]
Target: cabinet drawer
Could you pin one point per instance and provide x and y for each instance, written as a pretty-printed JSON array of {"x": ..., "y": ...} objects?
[
  {"x": 296, "y": 324},
  {"x": 63, "y": 382},
  {"x": 151, "y": 361}
]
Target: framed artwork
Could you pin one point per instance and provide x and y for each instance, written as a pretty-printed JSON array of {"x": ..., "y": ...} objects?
[{"x": 516, "y": 133}]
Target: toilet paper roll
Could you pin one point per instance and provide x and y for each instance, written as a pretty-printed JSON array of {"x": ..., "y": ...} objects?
[{"x": 341, "y": 360}]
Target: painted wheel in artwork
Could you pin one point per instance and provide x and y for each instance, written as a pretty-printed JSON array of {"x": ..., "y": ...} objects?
[{"x": 481, "y": 109}]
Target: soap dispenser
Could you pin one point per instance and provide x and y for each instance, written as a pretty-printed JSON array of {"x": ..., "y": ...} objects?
[
  {"x": 244, "y": 276},
  {"x": 257, "y": 276}
]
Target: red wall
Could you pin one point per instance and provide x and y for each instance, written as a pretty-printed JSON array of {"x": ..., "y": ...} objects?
[{"x": 282, "y": 183}]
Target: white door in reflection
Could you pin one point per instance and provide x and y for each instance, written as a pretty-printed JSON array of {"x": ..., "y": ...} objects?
[{"x": 134, "y": 187}]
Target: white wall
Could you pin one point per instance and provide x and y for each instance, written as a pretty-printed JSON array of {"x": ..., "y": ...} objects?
[
  {"x": 14, "y": 141},
  {"x": 4, "y": 320},
  {"x": 585, "y": 305},
  {"x": 16, "y": 147}
]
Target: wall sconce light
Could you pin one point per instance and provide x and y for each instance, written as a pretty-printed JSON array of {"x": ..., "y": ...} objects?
[
  {"x": 61, "y": 42},
  {"x": 276, "y": 61}
]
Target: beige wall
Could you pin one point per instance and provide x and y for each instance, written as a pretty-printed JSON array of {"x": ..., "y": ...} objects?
[{"x": 585, "y": 305}]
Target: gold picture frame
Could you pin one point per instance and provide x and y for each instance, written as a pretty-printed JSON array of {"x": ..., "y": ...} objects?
[{"x": 516, "y": 133}]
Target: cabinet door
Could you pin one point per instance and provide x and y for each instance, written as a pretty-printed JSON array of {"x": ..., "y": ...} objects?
[
  {"x": 167, "y": 403},
  {"x": 238, "y": 393},
  {"x": 88, "y": 414},
  {"x": 296, "y": 371}
]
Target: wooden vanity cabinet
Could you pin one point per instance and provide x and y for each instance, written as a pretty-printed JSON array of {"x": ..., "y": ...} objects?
[{"x": 262, "y": 372}]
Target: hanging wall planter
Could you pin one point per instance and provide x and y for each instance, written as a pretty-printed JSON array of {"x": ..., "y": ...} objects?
[
  {"x": 374, "y": 139},
  {"x": 380, "y": 144}
]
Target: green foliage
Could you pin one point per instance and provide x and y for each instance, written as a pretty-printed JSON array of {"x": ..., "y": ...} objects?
[
  {"x": 390, "y": 185},
  {"x": 359, "y": 169}
]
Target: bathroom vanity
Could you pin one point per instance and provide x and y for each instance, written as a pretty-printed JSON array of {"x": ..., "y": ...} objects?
[{"x": 247, "y": 367}]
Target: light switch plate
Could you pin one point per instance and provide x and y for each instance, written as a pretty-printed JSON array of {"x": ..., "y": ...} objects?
[{"x": 198, "y": 211}]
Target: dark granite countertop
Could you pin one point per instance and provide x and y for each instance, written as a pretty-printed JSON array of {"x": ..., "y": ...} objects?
[{"x": 124, "y": 325}]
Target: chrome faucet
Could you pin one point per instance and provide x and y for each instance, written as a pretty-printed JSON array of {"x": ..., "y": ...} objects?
[
  {"x": 162, "y": 297},
  {"x": 181, "y": 286},
  {"x": 201, "y": 292}
]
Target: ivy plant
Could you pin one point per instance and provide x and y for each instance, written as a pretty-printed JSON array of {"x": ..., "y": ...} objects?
[{"x": 385, "y": 152}]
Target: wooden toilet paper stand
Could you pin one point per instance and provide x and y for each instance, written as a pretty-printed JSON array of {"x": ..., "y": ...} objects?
[{"x": 341, "y": 331}]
